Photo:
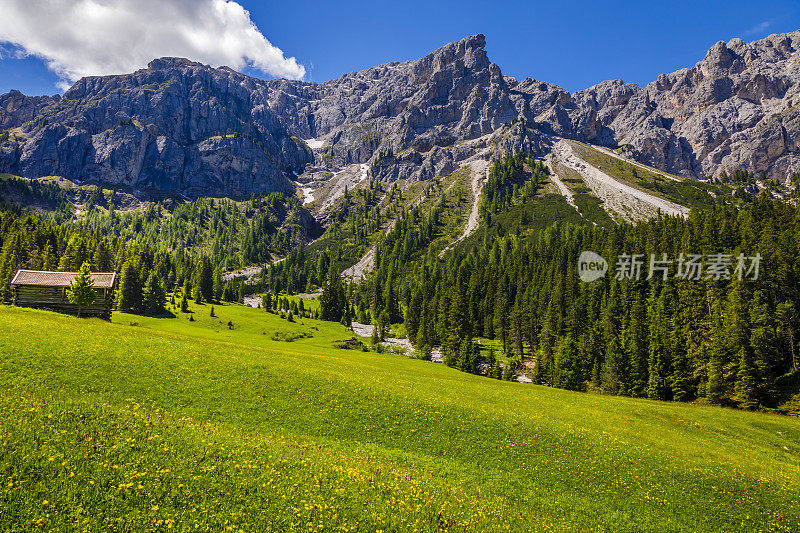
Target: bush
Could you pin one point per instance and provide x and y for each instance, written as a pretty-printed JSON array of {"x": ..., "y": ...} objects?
[{"x": 290, "y": 336}]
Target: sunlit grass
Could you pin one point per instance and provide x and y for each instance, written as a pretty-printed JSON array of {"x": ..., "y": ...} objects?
[{"x": 196, "y": 426}]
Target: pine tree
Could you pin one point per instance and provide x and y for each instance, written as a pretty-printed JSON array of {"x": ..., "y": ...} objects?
[
  {"x": 746, "y": 381},
  {"x": 495, "y": 371},
  {"x": 375, "y": 336},
  {"x": 197, "y": 295},
  {"x": 637, "y": 349},
  {"x": 333, "y": 302},
  {"x": 413, "y": 315},
  {"x": 466, "y": 356},
  {"x": 615, "y": 371},
  {"x": 81, "y": 291},
  {"x": 218, "y": 285},
  {"x": 681, "y": 376},
  {"x": 154, "y": 296},
  {"x": 130, "y": 293},
  {"x": 204, "y": 279},
  {"x": 658, "y": 357},
  {"x": 715, "y": 389},
  {"x": 763, "y": 344},
  {"x": 567, "y": 371},
  {"x": 508, "y": 371}
]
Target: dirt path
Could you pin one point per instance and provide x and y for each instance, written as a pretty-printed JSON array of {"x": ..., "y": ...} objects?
[
  {"x": 630, "y": 203},
  {"x": 248, "y": 272},
  {"x": 252, "y": 301}
]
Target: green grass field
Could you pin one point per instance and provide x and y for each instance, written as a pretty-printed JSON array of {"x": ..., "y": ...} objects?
[{"x": 168, "y": 423}]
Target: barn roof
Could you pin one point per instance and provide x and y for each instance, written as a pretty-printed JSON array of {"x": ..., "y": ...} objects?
[{"x": 102, "y": 280}]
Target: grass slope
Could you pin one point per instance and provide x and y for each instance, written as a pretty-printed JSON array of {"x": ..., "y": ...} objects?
[{"x": 191, "y": 425}]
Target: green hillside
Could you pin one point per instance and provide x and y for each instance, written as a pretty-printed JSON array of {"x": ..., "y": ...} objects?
[{"x": 149, "y": 424}]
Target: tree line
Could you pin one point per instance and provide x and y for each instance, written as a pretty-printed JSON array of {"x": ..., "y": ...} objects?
[{"x": 28, "y": 241}]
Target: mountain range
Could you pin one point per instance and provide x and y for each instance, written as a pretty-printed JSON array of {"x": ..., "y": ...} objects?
[{"x": 183, "y": 127}]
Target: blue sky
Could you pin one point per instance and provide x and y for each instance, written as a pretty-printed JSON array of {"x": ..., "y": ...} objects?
[{"x": 573, "y": 44}]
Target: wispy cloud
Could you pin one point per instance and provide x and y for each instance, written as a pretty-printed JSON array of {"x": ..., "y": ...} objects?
[
  {"x": 759, "y": 28},
  {"x": 79, "y": 38}
]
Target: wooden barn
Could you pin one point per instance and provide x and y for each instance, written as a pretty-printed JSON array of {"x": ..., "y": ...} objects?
[{"x": 48, "y": 290}]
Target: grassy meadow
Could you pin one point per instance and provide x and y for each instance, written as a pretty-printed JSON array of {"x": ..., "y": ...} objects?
[{"x": 148, "y": 424}]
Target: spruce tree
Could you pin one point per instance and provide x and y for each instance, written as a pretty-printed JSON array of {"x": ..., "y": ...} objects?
[
  {"x": 508, "y": 371},
  {"x": 567, "y": 369},
  {"x": 615, "y": 371},
  {"x": 465, "y": 356},
  {"x": 715, "y": 389},
  {"x": 746, "y": 380},
  {"x": 681, "y": 376},
  {"x": 637, "y": 350},
  {"x": 130, "y": 293},
  {"x": 204, "y": 279},
  {"x": 154, "y": 296},
  {"x": 81, "y": 290}
]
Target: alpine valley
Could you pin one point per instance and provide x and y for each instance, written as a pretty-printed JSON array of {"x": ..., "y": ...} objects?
[{"x": 293, "y": 258}]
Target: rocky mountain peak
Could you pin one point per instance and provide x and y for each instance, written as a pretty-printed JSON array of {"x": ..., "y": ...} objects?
[
  {"x": 165, "y": 63},
  {"x": 181, "y": 125}
]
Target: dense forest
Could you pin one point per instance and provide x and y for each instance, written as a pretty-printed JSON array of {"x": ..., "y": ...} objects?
[
  {"x": 709, "y": 335},
  {"x": 722, "y": 334},
  {"x": 232, "y": 234},
  {"x": 146, "y": 274}
]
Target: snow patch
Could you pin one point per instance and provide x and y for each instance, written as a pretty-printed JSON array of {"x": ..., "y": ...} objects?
[
  {"x": 308, "y": 195},
  {"x": 313, "y": 143}
]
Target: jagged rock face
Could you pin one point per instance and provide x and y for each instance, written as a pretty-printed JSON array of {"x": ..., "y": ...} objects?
[
  {"x": 16, "y": 109},
  {"x": 179, "y": 125},
  {"x": 737, "y": 108},
  {"x": 176, "y": 125},
  {"x": 417, "y": 109}
]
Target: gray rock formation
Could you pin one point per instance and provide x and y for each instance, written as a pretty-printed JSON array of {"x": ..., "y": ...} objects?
[
  {"x": 176, "y": 125},
  {"x": 738, "y": 108},
  {"x": 16, "y": 109},
  {"x": 182, "y": 126}
]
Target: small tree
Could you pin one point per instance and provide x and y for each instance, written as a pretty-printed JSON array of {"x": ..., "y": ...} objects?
[
  {"x": 81, "y": 291},
  {"x": 508, "y": 371},
  {"x": 375, "y": 337}
]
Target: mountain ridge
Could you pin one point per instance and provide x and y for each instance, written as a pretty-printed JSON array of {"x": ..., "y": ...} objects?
[{"x": 183, "y": 126}]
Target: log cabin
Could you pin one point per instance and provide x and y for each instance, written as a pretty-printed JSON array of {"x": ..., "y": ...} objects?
[{"x": 48, "y": 290}]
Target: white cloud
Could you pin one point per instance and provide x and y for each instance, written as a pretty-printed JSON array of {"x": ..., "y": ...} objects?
[
  {"x": 97, "y": 37},
  {"x": 758, "y": 28}
]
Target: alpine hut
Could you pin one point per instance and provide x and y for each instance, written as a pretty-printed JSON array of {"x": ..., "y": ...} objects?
[{"x": 48, "y": 290}]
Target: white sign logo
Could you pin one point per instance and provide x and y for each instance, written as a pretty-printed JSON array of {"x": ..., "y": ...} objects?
[{"x": 591, "y": 267}]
